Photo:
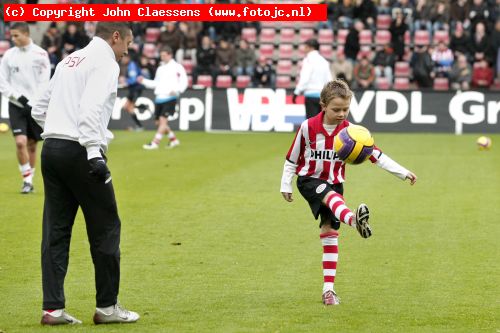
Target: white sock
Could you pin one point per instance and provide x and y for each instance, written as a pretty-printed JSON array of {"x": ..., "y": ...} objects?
[
  {"x": 171, "y": 136},
  {"x": 25, "y": 170},
  {"x": 107, "y": 310}
]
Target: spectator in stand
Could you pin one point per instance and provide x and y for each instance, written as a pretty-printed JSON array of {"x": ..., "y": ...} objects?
[
  {"x": 422, "y": 66},
  {"x": 384, "y": 7},
  {"x": 459, "y": 42},
  {"x": 51, "y": 42},
  {"x": 205, "y": 59},
  {"x": 443, "y": 60},
  {"x": 73, "y": 39},
  {"x": 225, "y": 57},
  {"x": 366, "y": 11},
  {"x": 341, "y": 68},
  {"x": 148, "y": 67},
  {"x": 352, "y": 47},
  {"x": 422, "y": 16},
  {"x": 364, "y": 73},
  {"x": 245, "y": 59},
  {"x": 495, "y": 46},
  {"x": 480, "y": 46},
  {"x": 478, "y": 13},
  {"x": 482, "y": 74},
  {"x": 344, "y": 14},
  {"x": 407, "y": 8},
  {"x": 461, "y": 74},
  {"x": 330, "y": 14},
  {"x": 89, "y": 28},
  {"x": 229, "y": 31},
  {"x": 440, "y": 16},
  {"x": 264, "y": 75},
  {"x": 190, "y": 32},
  {"x": 495, "y": 11},
  {"x": 384, "y": 62},
  {"x": 459, "y": 13},
  {"x": 171, "y": 37},
  {"x": 398, "y": 29}
]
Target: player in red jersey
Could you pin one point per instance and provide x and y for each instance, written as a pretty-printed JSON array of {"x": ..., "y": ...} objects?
[{"x": 321, "y": 176}]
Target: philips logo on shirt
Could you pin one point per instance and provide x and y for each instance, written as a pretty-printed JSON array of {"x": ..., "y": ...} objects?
[{"x": 323, "y": 155}]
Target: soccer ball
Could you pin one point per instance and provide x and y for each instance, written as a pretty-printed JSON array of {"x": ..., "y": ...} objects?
[
  {"x": 483, "y": 143},
  {"x": 353, "y": 144},
  {"x": 4, "y": 127}
]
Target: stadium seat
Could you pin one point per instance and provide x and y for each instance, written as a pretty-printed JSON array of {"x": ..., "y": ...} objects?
[
  {"x": 407, "y": 55},
  {"x": 441, "y": 83},
  {"x": 307, "y": 24},
  {"x": 150, "y": 50},
  {"x": 249, "y": 34},
  {"x": 382, "y": 37},
  {"x": 205, "y": 81},
  {"x": 4, "y": 46},
  {"x": 365, "y": 37},
  {"x": 152, "y": 35},
  {"x": 496, "y": 85},
  {"x": 287, "y": 35},
  {"x": 223, "y": 81},
  {"x": 407, "y": 38},
  {"x": 285, "y": 51},
  {"x": 242, "y": 81},
  {"x": 271, "y": 24},
  {"x": 401, "y": 69},
  {"x": 266, "y": 50},
  {"x": 325, "y": 36},
  {"x": 305, "y": 34},
  {"x": 326, "y": 51},
  {"x": 283, "y": 81},
  {"x": 188, "y": 66},
  {"x": 342, "y": 36},
  {"x": 421, "y": 37},
  {"x": 284, "y": 67},
  {"x": 301, "y": 52},
  {"x": 382, "y": 83},
  {"x": 401, "y": 83},
  {"x": 288, "y": 24},
  {"x": 441, "y": 36},
  {"x": 383, "y": 22},
  {"x": 267, "y": 35}
]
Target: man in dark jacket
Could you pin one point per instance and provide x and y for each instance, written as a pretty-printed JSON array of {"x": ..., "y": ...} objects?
[{"x": 422, "y": 65}]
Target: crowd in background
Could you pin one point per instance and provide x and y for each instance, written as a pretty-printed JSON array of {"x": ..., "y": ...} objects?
[{"x": 468, "y": 56}]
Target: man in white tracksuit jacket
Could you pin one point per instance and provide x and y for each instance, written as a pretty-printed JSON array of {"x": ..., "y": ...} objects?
[
  {"x": 74, "y": 112},
  {"x": 315, "y": 73},
  {"x": 170, "y": 81},
  {"x": 24, "y": 72}
]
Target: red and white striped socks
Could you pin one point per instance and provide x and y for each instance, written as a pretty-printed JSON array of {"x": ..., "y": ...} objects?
[
  {"x": 337, "y": 205},
  {"x": 26, "y": 172},
  {"x": 171, "y": 136},
  {"x": 157, "y": 138},
  {"x": 329, "y": 241}
]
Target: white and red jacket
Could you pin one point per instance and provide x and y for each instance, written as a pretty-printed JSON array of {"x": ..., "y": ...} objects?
[{"x": 312, "y": 154}]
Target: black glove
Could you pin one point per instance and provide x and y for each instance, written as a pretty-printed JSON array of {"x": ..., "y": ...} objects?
[
  {"x": 98, "y": 169},
  {"x": 23, "y": 100},
  {"x": 294, "y": 99}
]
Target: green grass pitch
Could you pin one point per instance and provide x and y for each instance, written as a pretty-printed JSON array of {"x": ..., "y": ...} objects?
[{"x": 209, "y": 245}]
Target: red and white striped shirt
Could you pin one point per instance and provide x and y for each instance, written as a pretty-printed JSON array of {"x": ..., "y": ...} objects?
[{"x": 312, "y": 154}]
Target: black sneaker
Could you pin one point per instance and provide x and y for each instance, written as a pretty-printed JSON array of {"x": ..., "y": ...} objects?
[
  {"x": 27, "y": 188},
  {"x": 362, "y": 217}
]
